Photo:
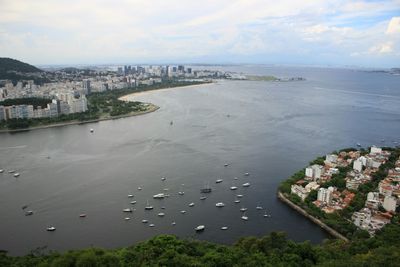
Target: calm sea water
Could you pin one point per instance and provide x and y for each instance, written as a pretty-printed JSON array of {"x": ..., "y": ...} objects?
[{"x": 273, "y": 129}]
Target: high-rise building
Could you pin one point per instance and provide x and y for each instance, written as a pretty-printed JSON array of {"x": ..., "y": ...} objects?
[
  {"x": 181, "y": 68},
  {"x": 324, "y": 195},
  {"x": 86, "y": 86},
  {"x": 189, "y": 70},
  {"x": 2, "y": 115}
]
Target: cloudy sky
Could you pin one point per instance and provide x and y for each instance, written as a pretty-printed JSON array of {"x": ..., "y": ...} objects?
[{"x": 360, "y": 33}]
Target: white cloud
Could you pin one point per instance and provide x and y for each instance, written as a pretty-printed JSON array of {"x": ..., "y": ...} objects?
[
  {"x": 383, "y": 48},
  {"x": 394, "y": 26}
]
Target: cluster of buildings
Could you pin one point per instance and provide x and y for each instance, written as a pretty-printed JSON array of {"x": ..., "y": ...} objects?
[{"x": 379, "y": 206}]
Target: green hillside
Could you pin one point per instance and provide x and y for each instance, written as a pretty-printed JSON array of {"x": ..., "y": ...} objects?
[{"x": 9, "y": 65}]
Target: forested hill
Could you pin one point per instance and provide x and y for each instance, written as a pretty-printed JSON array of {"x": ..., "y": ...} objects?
[{"x": 10, "y": 65}]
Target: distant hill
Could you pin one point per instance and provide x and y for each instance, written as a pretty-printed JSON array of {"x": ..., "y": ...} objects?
[
  {"x": 15, "y": 70},
  {"x": 9, "y": 64}
]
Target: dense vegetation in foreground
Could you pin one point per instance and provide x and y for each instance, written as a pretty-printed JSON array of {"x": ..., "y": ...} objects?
[
  {"x": 101, "y": 105},
  {"x": 340, "y": 221},
  {"x": 272, "y": 250}
]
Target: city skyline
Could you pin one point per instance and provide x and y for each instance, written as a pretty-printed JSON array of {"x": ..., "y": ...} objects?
[{"x": 339, "y": 33}]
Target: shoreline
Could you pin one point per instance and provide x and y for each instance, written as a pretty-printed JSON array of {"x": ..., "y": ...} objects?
[
  {"x": 151, "y": 108},
  {"x": 318, "y": 222}
]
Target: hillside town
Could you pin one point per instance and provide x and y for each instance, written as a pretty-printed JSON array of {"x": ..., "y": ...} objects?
[{"x": 380, "y": 205}]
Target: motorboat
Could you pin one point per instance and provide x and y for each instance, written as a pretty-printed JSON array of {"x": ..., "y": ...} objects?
[
  {"x": 166, "y": 189},
  {"x": 163, "y": 208},
  {"x": 233, "y": 187},
  {"x": 159, "y": 196},
  {"x": 218, "y": 181},
  {"x": 259, "y": 208},
  {"x": 133, "y": 202},
  {"x": 239, "y": 196},
  {"x": 220, "y": 205},
  {"x": 16, "y": 174},
  {"x": 235, "y": 178},
  {"x": 139, "y": 188},
  {"x": 130, "y": 196},
  {"x": 237, "y": 201},
  {"x": 1, "y": 170},
  {"x": 163, "y": 178},
  {"x": 51, "y": 229},
  {"x": 183, "y": 211},
  {"x": 145, "y": 221},
  {"x": 246, "y": 174},
  {"x": 191, "y": 204},
  {"x": 244, "y": 217},
  {"x": 243, "y": 209},
  {"x": 358, "y": 144},
  {"x": 83, "y": 215},
  {"x": 246, "y": 184},
  {"x": 127, "y": 218},
  {"x": 91, "y": 130},
  {"x": 224, "y": 228},
  {"x": 266, "y": 215},
  {"x": 161, "y": 214},
  {"x": 226, "y": 164},
  {"x": 28, "y": 212},
  {"x": 11, "y": 171},
  {"x": 203, "y": 198},
  {"x": 173, "y": 223},
  {"x": 151, "y": 225},
  {"x": 200, "y": 228},
  {"x": 127, "y": 210},
  {"x": 181, "y": 193}
]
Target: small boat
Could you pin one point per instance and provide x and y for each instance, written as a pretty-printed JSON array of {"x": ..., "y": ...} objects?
[
  {"x": 83, "y": 215},
  {"x": 224, "y": 228},
  {"x": 1, "y": 170},
  {"x": 237, "y": 201},
  {"x": 233, "y": 187},
  {"x": 127, "y": 218},
  {"x": 206, "y": 189},
  {"x": 51, "y": 229},
  {"x": 203, "y": 198},
  {"x": 16, "y": 174},
  {"x": 358, "y": 144},
  {"x": 218, "y": 181},
  {"x": 145, "y": 221},
  {"x": 266, "y": 215},
  {"x": 246, "y": 174},
  {"x": 148, "y": 206},
  {"x": 161, "y": 214},
  {"x": 183, "y": 211},
  {"x": 159, "y": 196},
  {"x": 181, "y": 193},
  {"x": 191, "y": 204},
  {"x": 173, "y": 223},
  {"x": 244, "y": 217},
  {"x": 226, "y": 164},
  {"x": 239, "y": 196},
  {"x": 130, "y": 196},
  {"x": 11, "y": 171},
  {"x": 259, "y": 208},
  {"x": 243, "y": 209},
  {"x": 28, "y": 212},
  {"x": 163, "y": 178},
  {"x": 127, "y": 210},
  {"x": 133, "y": 202},
  {"x": 151, "y": 225},
  {"x": 163, "y": 208},
  {"x": 200, "y": 228},
  {"x": 235, "y": 178},
  {"x": 220, "y": 205},
  {"x": 91, "y": 130},
  {"x": 246, "y": 184},
  {"x": 139, "y": 188}
]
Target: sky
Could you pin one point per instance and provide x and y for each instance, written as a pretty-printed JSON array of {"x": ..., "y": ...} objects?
[{"x": 361, "y": 33}]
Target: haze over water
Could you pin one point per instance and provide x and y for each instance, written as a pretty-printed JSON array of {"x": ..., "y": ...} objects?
[{"x": 273, "y": 130}]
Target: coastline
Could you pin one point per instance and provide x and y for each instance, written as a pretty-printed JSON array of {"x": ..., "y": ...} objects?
[
  {"x": 325, "y": 227},
  {"x": 128, "y": 97}
]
